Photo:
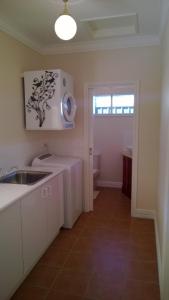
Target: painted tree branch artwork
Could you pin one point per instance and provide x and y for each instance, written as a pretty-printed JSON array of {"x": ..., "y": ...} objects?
[{"x": 43, "y": 89}]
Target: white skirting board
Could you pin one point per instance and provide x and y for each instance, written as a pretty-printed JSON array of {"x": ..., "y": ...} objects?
[
  {"x": 150, "y": 214},
  {"x": 112, "y": 184},
  {"x": 143, "y": 213}
]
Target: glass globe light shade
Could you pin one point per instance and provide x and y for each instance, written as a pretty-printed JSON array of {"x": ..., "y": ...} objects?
[{"x": 65, "y": 27}]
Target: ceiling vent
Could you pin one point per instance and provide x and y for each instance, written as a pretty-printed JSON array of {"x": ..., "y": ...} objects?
[{"x": 120, "y": 25}]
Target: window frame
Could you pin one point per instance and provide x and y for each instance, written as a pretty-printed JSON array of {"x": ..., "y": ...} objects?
[{"x": 113, "y": 115}]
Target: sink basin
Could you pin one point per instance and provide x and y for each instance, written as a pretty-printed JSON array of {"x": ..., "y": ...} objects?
[{"x": 24, "y": 177}]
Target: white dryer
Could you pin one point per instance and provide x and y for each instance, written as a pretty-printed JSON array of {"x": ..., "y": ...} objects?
[
  {"x": 49, "y": 100},
  {"x": 73, "y": 199}
]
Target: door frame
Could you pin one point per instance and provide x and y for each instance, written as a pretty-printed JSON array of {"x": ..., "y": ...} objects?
[{"x": 88, "y": 143}]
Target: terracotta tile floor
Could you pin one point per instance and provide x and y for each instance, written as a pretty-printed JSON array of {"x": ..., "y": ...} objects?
[{"x": 106, "y": 256}]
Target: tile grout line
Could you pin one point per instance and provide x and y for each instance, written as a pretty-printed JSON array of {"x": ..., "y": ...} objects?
[
  {"x": 87, "y": 223},
  {"x": 62, "y": 268}
]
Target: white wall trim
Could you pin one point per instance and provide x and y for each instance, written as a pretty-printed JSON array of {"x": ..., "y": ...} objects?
[
  {"x": 84, "y": 46},
  {"x": 151, "y": 214},
  {"x": 143, "y": 213},
  {"x": 88, "y": 139},
  {"x": 20, "y": 37},
  {"x": 88, "y": 179},
  {"x": 135, "y": 153},
  {"x": 103, "y": 44},
  {"x": 112, "y": 184}
]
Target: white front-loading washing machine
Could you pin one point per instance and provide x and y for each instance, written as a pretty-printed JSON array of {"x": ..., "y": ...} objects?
[
  {"x": 49, "y": 100},
  {"x": 73, "y": 198}
]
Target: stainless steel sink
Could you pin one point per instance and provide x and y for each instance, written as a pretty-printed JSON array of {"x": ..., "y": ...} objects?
[{"x": 24, "y": 177}]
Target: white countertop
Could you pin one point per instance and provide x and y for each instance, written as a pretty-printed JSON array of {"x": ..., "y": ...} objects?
[{"x": 9, "y": 193}]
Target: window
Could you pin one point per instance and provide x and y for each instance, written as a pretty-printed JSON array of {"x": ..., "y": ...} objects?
[{"x": 115, "y": 104}]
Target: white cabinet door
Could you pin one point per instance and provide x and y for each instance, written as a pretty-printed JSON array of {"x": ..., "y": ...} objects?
[
  {"x": 34, "y": 227},
  {"x": 54, "y": 206},
  {"x": 11, "y": 264},
  {"x": 60, "y": 197},
  {"x": 52, "y": 210},
  {"x": 76, "y": 190},
  {"x": 42, "y": 217}
]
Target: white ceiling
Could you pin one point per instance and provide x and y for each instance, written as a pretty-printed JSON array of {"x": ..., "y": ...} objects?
[{"x": 101, "y": 23}]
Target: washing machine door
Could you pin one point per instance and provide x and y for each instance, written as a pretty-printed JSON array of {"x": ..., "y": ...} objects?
[{"x": 68, "y": 107}]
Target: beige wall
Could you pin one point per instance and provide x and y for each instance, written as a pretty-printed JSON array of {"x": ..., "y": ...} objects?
[
  {"x": 112, "y": 134},
  {"x": 15, "y": 58},
  {"x": 16, "y": 144},
  {"x": 141, "y": 64}
]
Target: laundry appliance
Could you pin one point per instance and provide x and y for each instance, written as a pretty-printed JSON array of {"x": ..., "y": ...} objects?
[
  {"x": 73, "y": 199},
  {"x": 49, "y": 100}
]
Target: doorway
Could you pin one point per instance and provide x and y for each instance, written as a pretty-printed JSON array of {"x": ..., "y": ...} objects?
[{"x": 106, "y": 89}]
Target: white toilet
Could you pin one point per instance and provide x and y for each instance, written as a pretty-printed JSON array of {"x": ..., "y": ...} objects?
[{"x": 96, "y": 172}]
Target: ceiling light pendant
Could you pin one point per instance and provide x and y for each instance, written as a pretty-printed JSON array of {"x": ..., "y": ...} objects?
[{"x": 65, "y": 25}]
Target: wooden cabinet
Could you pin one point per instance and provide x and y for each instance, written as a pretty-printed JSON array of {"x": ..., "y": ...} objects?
[
  {"x": 127, "y": 176},
  {"x": 11, "y": 264}
]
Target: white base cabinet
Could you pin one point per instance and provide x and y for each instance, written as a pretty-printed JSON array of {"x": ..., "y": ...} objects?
[
  {"x": 11, "y": 264},
  {"x": 42, "y": 217},
  {"x": 61, "y": 201},
  {"x": 54, "y": 207},
  {"x": 34, "y": 229},
  {"x": 26, "y": 229}
]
